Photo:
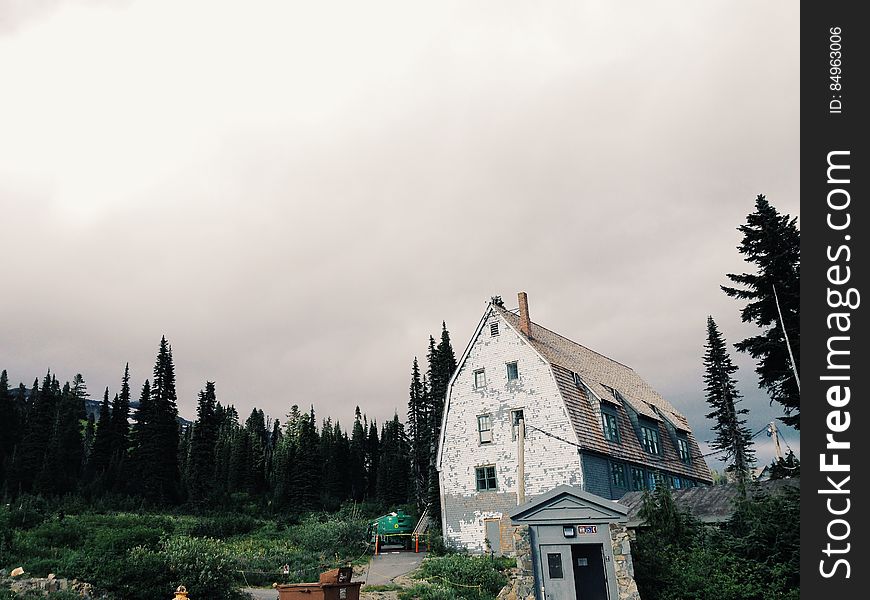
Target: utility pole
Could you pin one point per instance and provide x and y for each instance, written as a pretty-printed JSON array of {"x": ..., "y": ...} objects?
[
  {"x": 521, "y": 461},
  {"x": 772, "y": 432}
]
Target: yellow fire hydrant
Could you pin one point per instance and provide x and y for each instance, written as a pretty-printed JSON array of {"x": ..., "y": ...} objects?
[{"x": 180, "y": 593}]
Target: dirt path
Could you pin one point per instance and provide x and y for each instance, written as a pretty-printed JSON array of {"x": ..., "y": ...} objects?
[{"x": 390, "y": 567}]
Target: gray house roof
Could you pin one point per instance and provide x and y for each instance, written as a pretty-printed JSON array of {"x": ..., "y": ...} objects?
[
  {"x": 568, "y": 504},
  {"x": 708, "y": 504}
]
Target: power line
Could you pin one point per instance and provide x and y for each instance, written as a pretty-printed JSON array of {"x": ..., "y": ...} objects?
[{"x": 651, "y": 457}]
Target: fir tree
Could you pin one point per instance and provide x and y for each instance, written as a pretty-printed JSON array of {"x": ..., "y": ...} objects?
[
  {"x": 156, "y": 449},
  {"x": 393, "y": 485},
  {"x": 9, "y": 427},
  {"x": 442, "y": 364},
  {"x": 771, "y": 242},
  {"x": 121, "y": 416},
  {"x": 420, "y": 436},
  {"x": 732, "y": 436},
  {"x": 357, "y": 459},
  {"x": 102, "y": 451},
  {"x": 373, "y": 456},
  {"x": 200, "y": 477}
]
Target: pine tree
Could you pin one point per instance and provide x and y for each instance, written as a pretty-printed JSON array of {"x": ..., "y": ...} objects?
[
  {"x": 393, "y": 484},
  {"x": 9, "y": 428},
  {"x": 69, "y": 443},
  {"x": 420, "y": 436},
  {"x": 102, "y": 450},
  {"x": 442, "y": 364},
  {"x": 373, "y": 457},
  {"x": 156, "y": 445},
  {"x": 200, "y": 477},
  {"x": 732, "y": 436},
  {"x": 121, "y": 416},
  {"x": 357, "y": 459},
  {"x": 772, "y": 242}
]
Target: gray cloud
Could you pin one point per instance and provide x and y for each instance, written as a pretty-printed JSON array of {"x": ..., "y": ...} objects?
[{"x": 297, "y": 196}]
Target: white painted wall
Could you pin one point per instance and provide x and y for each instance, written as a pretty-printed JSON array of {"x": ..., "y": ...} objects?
[{"x": 548, "y": 462}]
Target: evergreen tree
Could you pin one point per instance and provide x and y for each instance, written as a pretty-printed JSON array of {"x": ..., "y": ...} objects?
[
  {"x": 772, "y": 242},
  {"x": 357, "y": 459},
  {"x": 442, "y": 364},
  {"x": 121, "y": 416},
  {"x": 393, "y": 484},
  {"x": 68, "y": 443},
  {"x": 102, "y": 451},
  {"x": 156, "y": 449},
  {"x": 200, "y": 477},
  {"x": 38, "y": 431},
  {"x": 732, "y": 436},
  {"x": 9, "y": 427},
  {"x": 419, "y": 434},
  {"x": 373, "y": 457}
]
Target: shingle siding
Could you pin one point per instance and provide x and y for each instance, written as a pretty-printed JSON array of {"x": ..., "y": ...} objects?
[
  {"x": 596, "y": 473},
  {"x": 548, "y": 461}
]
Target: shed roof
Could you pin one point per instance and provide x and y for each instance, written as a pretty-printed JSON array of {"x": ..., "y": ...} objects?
[{"x": 708, "y": 504}]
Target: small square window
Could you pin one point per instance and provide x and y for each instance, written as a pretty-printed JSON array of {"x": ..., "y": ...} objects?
[
  {"x": 493, "y": 329},
  {"x": 611, "y": 426},
  {"x": 554, "y": 565},
  {"x": 485, "y": 477},
  {"x": 484, "y": 429},
  {"x": 513, "y": 373},
  {"x": 479, "y": 379},
  {"x": 516, "y": 416}
]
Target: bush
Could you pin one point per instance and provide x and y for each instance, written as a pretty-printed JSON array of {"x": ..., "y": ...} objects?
[{"x": 464, "y": 576}]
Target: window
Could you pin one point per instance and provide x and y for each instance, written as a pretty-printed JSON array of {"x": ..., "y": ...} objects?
[
  {"x": 683, "y": 448},
  {"x": 479, "y": 379},
  {"x": 554, "y": 565},
  {"x": 516, "y": 415},
  {"x": 493, "y": 329},
  {"x": 512, "y": 372},
  {"x": 676, "y": 483},
  {"x": 611, "y": 428},
  {"x": 484, "y": 429},
  {"x": 485, "y": 478},
  {"x": 650, "y": 439},
  {"x": 637, "y": 482},
  {"x": 617, "y": 475}
]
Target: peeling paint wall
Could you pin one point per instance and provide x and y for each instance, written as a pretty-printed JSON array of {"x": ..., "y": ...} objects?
[{"x": 548, "y": 462}]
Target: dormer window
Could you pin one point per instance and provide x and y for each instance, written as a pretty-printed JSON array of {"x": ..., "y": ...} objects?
[
  {"x": 493, "y": 329},
  {"x": 611, "y": 426},
  {"x": 683, "y": 449},
  {"x": 649, "y": 437}
]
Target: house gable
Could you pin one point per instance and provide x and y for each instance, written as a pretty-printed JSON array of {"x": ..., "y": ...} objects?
[{"x": 566, "y": 504}]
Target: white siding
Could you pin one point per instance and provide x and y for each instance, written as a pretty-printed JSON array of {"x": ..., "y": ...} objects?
[{"x": 548, "y": 461}]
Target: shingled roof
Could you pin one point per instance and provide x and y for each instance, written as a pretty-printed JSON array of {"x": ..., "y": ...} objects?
[
  {"x": 709, "y": 504},
  {"x": 616, "y": 384}
]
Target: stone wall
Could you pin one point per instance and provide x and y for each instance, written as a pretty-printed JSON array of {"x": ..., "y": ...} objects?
[
  {"x": 619, "y": 537},
  {"x": 521, "y": 585}
]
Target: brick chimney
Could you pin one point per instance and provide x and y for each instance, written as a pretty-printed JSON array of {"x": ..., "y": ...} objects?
[{"x": 525, "y": 321}]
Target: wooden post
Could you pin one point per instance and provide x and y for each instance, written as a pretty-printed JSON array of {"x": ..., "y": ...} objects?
[
  {"x": 521, "y": 461},
  {"x": 377, "y": 538}
]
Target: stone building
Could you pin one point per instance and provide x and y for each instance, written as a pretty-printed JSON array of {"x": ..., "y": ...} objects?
[{"x": 588, "y": 422}]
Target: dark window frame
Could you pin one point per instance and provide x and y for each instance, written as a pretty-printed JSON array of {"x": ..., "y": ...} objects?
[
  {"x": 650, "y": 439},
  {"x": 617, "y": 475},
  {"x": 610, "y": 426},
  {"x": 516, "y": 369},
  {"x": 482, "y": 384},
  {"x": 485, "y": 478}
]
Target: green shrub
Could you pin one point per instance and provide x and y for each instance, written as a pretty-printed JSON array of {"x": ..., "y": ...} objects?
[{"x": 469, "y": 577}]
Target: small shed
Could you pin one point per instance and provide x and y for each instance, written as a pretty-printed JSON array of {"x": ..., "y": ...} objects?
[{"x": 576, "y": 546}]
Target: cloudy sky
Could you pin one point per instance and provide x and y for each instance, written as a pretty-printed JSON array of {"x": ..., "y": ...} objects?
[{"x": 298, "y": 193}]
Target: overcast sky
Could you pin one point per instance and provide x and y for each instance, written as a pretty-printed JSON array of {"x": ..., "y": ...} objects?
[{"x": 298, "y": 193}]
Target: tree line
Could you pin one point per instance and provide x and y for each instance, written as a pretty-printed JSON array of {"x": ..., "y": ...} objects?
[{"x": 50, "y": 446}]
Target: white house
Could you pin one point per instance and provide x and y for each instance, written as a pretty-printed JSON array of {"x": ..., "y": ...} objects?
[{"x": 589, "y": 421}]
